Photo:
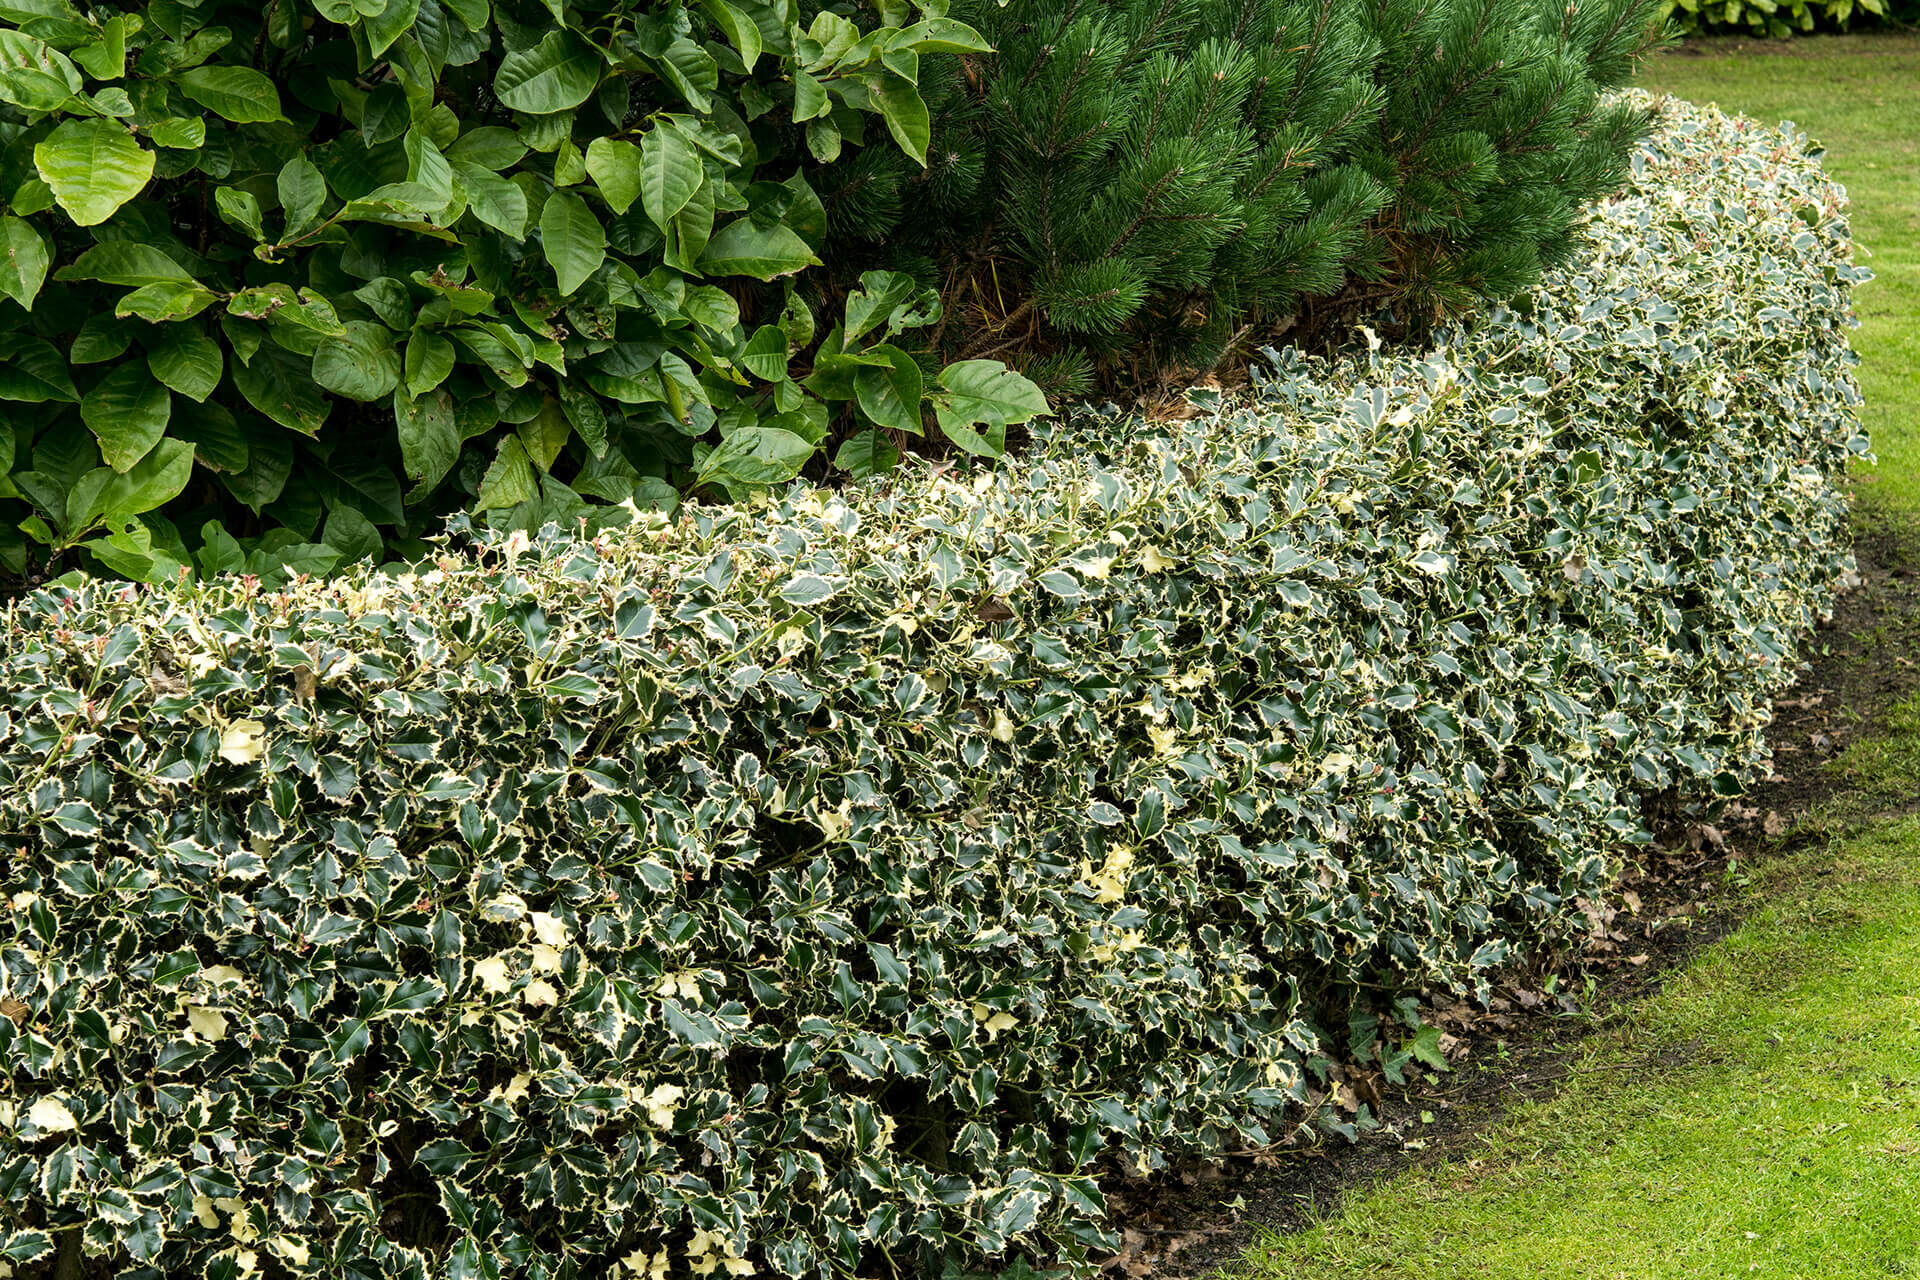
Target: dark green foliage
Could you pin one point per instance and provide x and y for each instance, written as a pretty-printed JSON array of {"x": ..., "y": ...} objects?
[
  {"x": 283, "y": 284},
  {"x": 1169, "y": 171},
  {"x": 1781, "y": 18},
  {"x": 1493, "y": 138}
]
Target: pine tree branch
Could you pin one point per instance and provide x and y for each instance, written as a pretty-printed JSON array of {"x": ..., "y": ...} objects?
[{"x": 1455, "y": 94}]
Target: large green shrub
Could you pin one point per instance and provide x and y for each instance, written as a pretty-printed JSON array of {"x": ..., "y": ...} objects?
[
  {"x": 285, "y": 283},
  {"x": 835, "y": 887},
  {"x": 1143, "y": 180},
  {"x": 1781, "y": 18}
]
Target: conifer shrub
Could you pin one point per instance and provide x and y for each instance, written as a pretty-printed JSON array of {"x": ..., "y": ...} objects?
[
  {"x": 1144, "y": 180},
  {"x": 282, "y": 284},
  {"x": 842, "y": 884}
]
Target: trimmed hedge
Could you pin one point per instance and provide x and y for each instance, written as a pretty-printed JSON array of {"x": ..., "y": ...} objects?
[{"x": 836, "y": 884}]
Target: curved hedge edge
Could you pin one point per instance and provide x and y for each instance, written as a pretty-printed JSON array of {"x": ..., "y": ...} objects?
[{"x": 807, "y": 887}]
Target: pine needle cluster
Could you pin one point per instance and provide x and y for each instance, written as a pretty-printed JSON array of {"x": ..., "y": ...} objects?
[{"x": 1129, "y": 184}]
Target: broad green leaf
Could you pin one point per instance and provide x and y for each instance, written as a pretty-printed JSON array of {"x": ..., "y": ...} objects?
[
  {"x": 33, "y": 75},
  {"x": 151, "y": 482},
  {"x": 867, "y": 454},
  {"x": 712, "y": 307},
  {"x": 220, "y": 442},
  {"x": 429, "y": 360},
  {"x": 428, "y": 169},
  {"x": 988, "y": 391},
  {"x": 351, "y": 534},
  {"x": 429, "y": 439},
  {"x": 126, "y": 262},
  {"x": 765, "y": 355},
  {"x": 93, "y": 167},
  {"x": 586, "y": 416},
  {"x": 127, "y": 412},
  {"x": 23, "y": 261},
  {"x": 180, "y": 133},
  {"x": 745, "y": 248},
  {"x": 615, "y": 168},
  {"x": 100, "y": 339},
  {"x": 741, "y": 31},
  {"x": 940, "y": 35},
  {"x": 823, "y": 140},
  {"x": 796, "y": 319},
  {"x": 691, "y": 70},
  {"x": 239, "y": 94},
  {"x": 188, "y": 361},
  {"x": 754, "y": 456},
  {"x": 558, "y": 74},
  {"x": 545, "y": 434},
  {"x": 360, "y": 364},
  {"x": 569, "y": 165},
  {"x": 280, "y": 384},
  {"x": 880, "y": 294},
  {"x": 507, "y": 363},
  {"x": 129, "y": 552},
  {"x": 493, "y": 199},
  {"x": 490, "y": 146},
  {"x": 388, "y": 25},
  {"x": 810, "y": 101},
  {"x": 32, "y": 371},
  {"x": 166, "y": 301},
  {"x": 106, "y": 58},
  {"x": 984, "y": 439},
  {"x": 239, "y": 209},
  {"x": 692, "y": 228},
  {"x": 281, "y": 302},
  {"x": 1425, "y": 1047},
  {"x": 670, "y": 175},
  {"x": 303, "y": 192},
  {"x": 269, "y": 464},
  {"x": 890, "y": 395},
  {"x": 905, "y": 112},
  {"x": 572, "y": 239},
  {"x": 472, "y": 14},
  {"x": 509, "y": 481}
]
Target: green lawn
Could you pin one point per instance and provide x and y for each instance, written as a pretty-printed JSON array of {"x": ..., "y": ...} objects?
[
  {"x": 1860, "y": 95},
  {"x": 1761, "y": 1116}
]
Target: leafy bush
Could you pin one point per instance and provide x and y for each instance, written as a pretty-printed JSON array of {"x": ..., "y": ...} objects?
[
  {"x": 416, "y": 256},
  {"x": 1782, "y": 18},
  {"x": 1169, "y": 171},
  {"x": 843, "y": 882}
]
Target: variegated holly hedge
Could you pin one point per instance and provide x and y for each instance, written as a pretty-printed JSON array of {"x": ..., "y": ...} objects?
[{"x": 830, "y": 886}]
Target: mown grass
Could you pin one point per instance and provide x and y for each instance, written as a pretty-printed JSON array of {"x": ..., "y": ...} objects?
[
  {"x": 1760, "y": 1117},
  {"x": 1860, "y": 96}
]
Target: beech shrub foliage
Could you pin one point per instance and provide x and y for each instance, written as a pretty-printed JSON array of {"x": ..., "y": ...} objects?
[
  {"x": 841, "y": 883},
  {"x": 1778, "y": 19},
  {"x": 283, "y": 283}
]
